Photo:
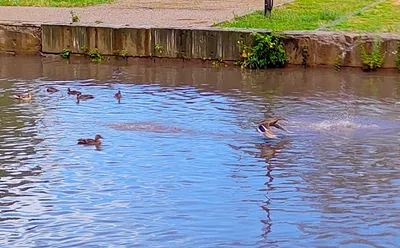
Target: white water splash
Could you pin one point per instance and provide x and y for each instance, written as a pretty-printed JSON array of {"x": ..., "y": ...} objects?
[{"x": 340, "y": 125}]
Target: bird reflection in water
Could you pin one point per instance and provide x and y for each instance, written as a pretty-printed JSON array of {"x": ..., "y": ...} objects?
[{"x": 267, "y": 151}]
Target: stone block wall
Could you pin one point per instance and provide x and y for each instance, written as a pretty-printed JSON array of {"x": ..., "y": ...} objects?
[
  {"x": 313, "y": 47},
  {"x": 20, "y": 38}
]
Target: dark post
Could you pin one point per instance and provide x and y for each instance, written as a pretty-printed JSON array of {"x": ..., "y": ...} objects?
[{"x": 268, "y": 7}]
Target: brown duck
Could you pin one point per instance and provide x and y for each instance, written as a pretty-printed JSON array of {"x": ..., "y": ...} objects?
[
  {"x": 96, "y": 141},
  {"x": 265, "y": 127},
  {"x": 52, "y": 90},
  {"x": 79, "y": 96},
  {"x": 27, "y": 97},
  {"x": 118, "y": 95},
  {"x": 73, "y": 92}
]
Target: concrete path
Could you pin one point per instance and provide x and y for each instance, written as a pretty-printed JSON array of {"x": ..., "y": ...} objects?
[{"x": 158, "y": 13}]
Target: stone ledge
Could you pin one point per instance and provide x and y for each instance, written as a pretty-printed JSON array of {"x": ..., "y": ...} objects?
[{"x": 322, "y": 47}]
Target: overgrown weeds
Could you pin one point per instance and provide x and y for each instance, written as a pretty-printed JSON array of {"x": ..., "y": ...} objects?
[
  {"x": 121, "y": 53},
  {"x": 74, "y": 16},
  {"x": 66, "y": 53},
  {"x": 267, "y": 51},
  {"x": 398, "y": 56},
  {"x": 374, "y": 60},
  {"x": 95, "y": 55}
]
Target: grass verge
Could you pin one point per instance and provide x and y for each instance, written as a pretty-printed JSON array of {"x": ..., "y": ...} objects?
[
  {"x": 299, "y": 15},
  {"x": 384, "y": 17},
  {"x": 53, "y": 3}
]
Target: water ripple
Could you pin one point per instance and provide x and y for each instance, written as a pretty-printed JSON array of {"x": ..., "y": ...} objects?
[{"x": 181, "y": 164}]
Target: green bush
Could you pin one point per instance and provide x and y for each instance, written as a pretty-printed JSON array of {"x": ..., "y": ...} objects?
[
  {"x": 66, "y": 53},
  {"x": 398, "y": 56},
  {"x": 95, "y": 55},
  {"x": 374, "y": 60},
  {"x": 267, "y": 51}
]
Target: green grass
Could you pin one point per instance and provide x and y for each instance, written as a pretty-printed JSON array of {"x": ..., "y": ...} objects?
[
  {"x": 384, "y": 17},
  {"x": 299, "y": 15},
  {"x": 53, "y": 3}
]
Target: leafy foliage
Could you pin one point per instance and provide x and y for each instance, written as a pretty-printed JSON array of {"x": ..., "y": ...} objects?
[
  {"x": 95, "y": 55},
  {"x": 374, "y": 60},
  {"x": 74, "y": 16},
  {"x": 338, "y": 63},
  {"x": 66, "y": 53},
  {"x": 158, "y": 49},
  {"x": 121, "y": 53},
  {"x": 398, "y": 56},
  {"x": 267, "y": 51}
]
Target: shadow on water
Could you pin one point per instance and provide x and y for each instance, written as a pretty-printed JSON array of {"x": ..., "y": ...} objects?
[{"x": 181, "y": 164}]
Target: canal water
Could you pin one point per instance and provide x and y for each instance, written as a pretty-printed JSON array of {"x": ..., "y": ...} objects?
[{"x": 182, "y": 165}]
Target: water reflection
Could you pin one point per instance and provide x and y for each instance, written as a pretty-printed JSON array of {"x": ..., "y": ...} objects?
[{"x": 181, "y": 164}]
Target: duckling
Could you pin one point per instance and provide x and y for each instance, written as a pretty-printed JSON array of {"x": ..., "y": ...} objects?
[
  {"x": 79, "y": 96},
  {"x": 265, "y": 127},
  {"x": 118, "y": 95},
  {"x": 96, "y": 141},
  {"x": 24, "y": 97},
  {"x": 52, "y": 90},
  {"x": 73, "y": 92}
]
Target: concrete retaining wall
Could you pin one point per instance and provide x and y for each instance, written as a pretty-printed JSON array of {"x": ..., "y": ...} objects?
[
  {"x": 19, "y": 38},
  {"x": 313, "y": 47}
]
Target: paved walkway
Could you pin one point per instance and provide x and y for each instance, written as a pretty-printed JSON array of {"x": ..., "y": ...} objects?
[{"x": 159, "y": 13}]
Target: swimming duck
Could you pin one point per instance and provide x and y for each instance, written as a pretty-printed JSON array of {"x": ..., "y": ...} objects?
[
  {"x": 118, "y": 95},
  {"x": 79, "y": 96},
  {"x": 52, "y": 90},
  {"x": 265, "y": 127},
  {"x": 73, "y": 92},
  {"x": 27, "y": 97},
  {"x": 96, "y": 141}
]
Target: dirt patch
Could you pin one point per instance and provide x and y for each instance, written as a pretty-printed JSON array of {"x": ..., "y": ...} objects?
[{"x": 396, "y": 3}]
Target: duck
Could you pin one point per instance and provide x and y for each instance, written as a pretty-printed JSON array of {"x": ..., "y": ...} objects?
[
  {"x": 79, "y": 96},
  {"x": 52, "y": 90},
  {"x": 265, "y": 127},
  {"x": 118, "y": 95},
  {"x": 73, "y": 92},
  {"x": 27, "y": 97},
  {"x": 96, "y": 141}
]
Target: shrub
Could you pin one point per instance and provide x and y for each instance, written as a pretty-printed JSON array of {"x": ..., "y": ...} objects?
[
  {"x": 267, "y": 51},
  {"x": 375, "y": 59},
  {"x": 398, "y": 56}
]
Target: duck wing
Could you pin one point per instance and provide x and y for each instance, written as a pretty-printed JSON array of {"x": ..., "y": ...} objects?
[
  {"x": 267, "y": 133},
  {"x": 23, "y": 97},
  {"x": 261, "y": 128},
  {"x": 280, "y": 127},
  {"x": 73, "y": 92},
  {"x": 52, "y": 90},
  {"x": 85, "y": 141},
  {"x": 83, "y": 97}
]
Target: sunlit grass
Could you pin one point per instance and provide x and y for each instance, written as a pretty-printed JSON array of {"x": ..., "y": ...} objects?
[
  {"x": 299, "y": 15},
  {"x": 53, "y": 3},
  {"x": 384, "y": 17}
]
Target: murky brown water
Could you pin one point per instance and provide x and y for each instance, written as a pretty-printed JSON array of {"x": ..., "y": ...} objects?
[{"x": 181, "y": 164}]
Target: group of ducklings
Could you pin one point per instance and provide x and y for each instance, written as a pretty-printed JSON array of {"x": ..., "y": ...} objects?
[{"x": 79, "y": 96}]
